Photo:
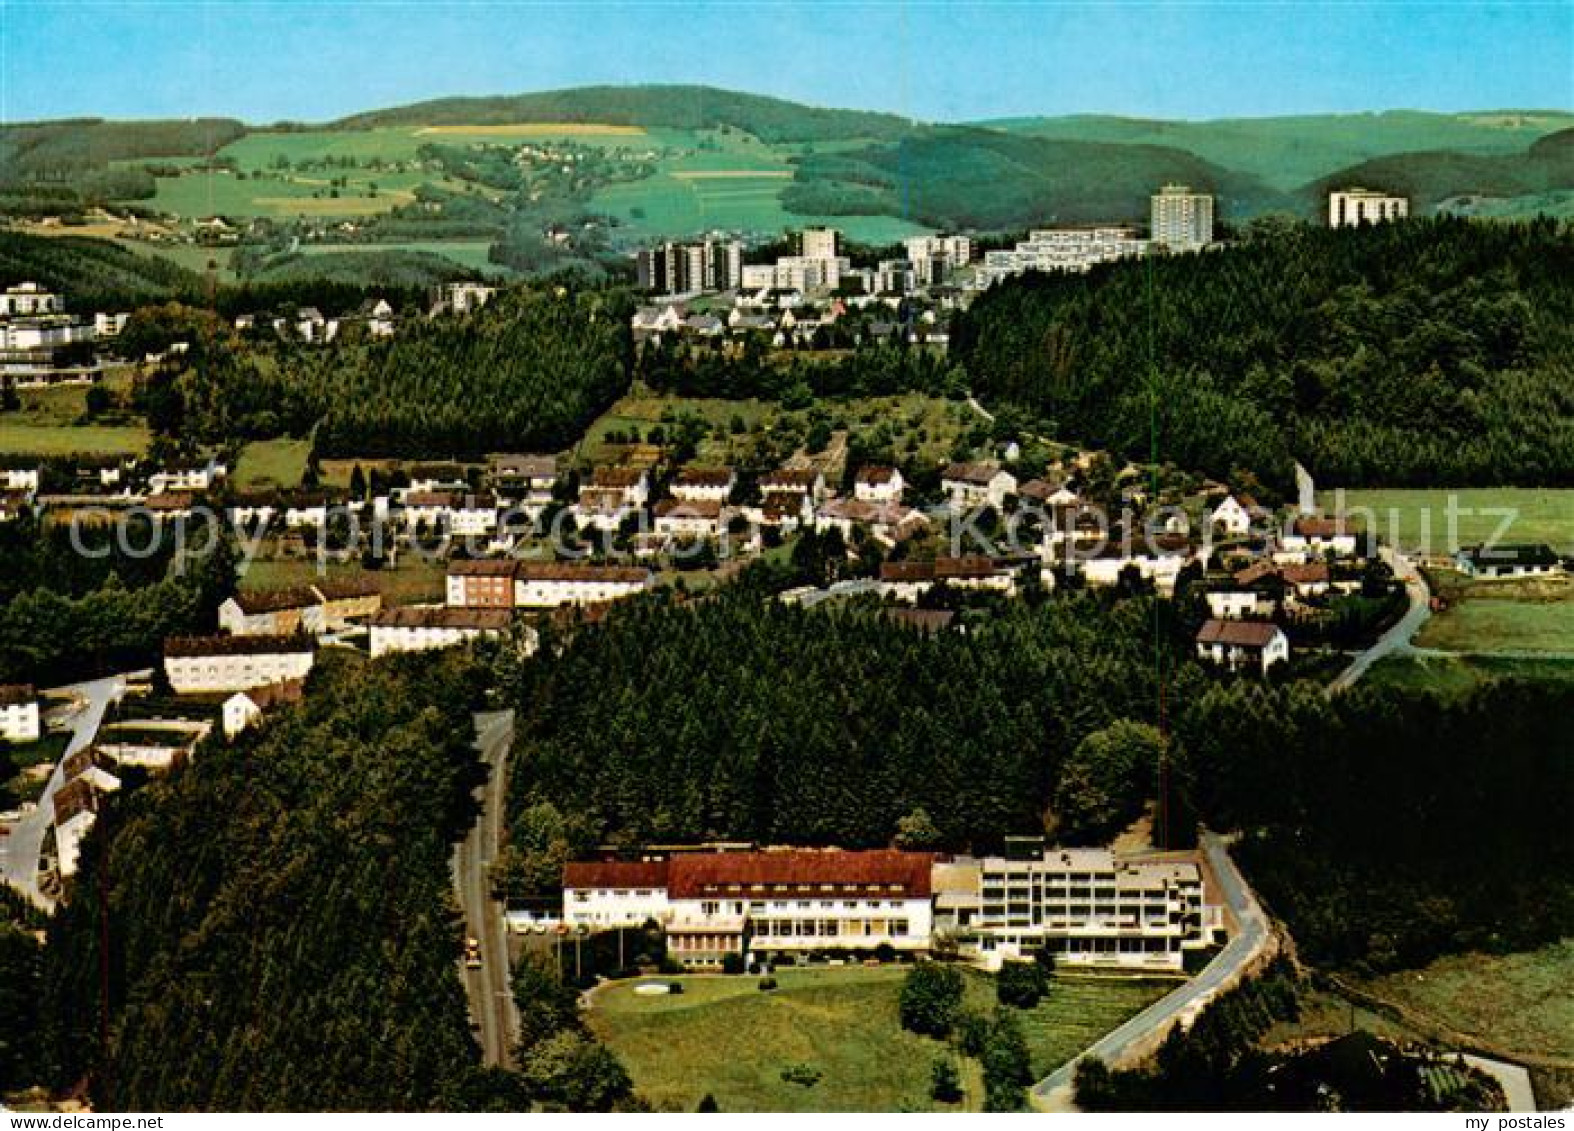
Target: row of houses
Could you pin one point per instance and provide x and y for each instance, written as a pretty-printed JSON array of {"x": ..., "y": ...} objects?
[{"x": 1087, "y": 907}]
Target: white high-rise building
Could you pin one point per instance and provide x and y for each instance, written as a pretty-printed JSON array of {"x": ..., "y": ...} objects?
[
  {"x": 1352, "y": 207},
  {"x": 1061, "y": 249},
  {"x": 1181, "y": 220},
  {"x": 819, "y": 243},
  {"x": 936, "y": 258}
]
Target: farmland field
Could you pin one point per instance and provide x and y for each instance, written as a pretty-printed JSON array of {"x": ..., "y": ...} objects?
[
  {"x": 1076, "y": 1012},
  {"x": 1420, "y": 518}
]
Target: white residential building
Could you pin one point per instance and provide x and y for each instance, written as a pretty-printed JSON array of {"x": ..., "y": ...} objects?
[
  {"x": 1352, "y": 207},
  {"x": 546, "y": 585},
  {"x": 935, "y": 259},
  {"x": 774, "y": 904},
  {"x": 1086, "y": 906},
  {"x": 19, "y": 479},
  {"x": 245, "y": 708},
  {"x": 704, "y": 484},
  {"x": 19, "y": 716},
  {"x": 26, "y": 300},
  {"x": 1234, "y": 515},
  {"x": 1181, "y": 220},
  {"x": 423, "y": 628},
  {"x": 972, "y": 485},
  {"x": 198, "y": 665},
  {"x": 1243, "y": 643},
  {"x": 1062, "y": 249},
  {"x": 879, "y": 485}
]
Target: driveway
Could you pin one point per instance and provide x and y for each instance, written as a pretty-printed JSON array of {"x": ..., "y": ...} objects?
[
  {"x": 20, "y": 850},
  {"x": 1181, "y": 1006}
]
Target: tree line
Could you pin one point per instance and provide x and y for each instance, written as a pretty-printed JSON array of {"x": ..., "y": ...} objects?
[{"x": 530, "y": 372}]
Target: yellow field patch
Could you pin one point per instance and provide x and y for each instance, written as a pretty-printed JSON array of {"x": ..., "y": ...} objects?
[
  {"x": 331, "y": 206},
  {"x": 729, "y": 174},
  {"x": 539, "y": 129}
]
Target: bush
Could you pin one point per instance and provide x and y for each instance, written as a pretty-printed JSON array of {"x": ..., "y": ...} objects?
[
  {"x": 931, "y": 995},
  {"x": 1021, "y": 984},
  {"x": 767, "y": 984},
  {"x": 806, "y": 1074},
  {"x": 945, "y": 1082},
  {"x": 732, "y": 964}
]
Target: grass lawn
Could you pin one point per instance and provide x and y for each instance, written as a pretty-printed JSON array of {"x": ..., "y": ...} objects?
[
  {"x": 1420, "y": 518},
  {"x": 1515, "y": 1001},
  {"x": 272, "y": 463},
  {"x": 1458, "y": 674},
  {"x": 1077, "y": 1011},
  {"x": 1533, "y": 616},
  {"x": 19, "y": 436},
  {"x": 924, "y": 429},
  {"x": 412, "y": 582},
  {"x": 1483, "y": 624},
  {"x": 726, "y": 1037}
]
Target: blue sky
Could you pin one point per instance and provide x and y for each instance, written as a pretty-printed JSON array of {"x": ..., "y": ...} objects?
[{"x": 950, "y": 60}]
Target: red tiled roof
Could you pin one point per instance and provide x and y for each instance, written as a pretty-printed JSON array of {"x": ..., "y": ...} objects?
[
  {"x": 979, "y": 473},
  {"x": 236, "y": 645},
  {"x": 876, "y": 475},
  {"x": 1238, "y": 633},
  {"x": 565, "y": 571},
  {"x": 616, "y": 874},
  {"x": 275, "y": 600},
  {"x": 703, "y": 477},
  {"x": 13, "y": 693},
  {"x": 484, "y": 567},
  {"x": 699, "y": 874}
]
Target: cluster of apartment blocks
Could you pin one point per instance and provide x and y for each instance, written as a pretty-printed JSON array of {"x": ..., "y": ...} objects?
[
  {"x": 34, "y": 323},
  {"x": 1086, "y": 906}
]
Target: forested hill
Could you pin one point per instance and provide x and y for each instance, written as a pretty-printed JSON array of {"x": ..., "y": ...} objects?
[
  {"x": 283, "y": 934},
  {"x": 1428, "y": 353},
  {"x": 670, "y": 107}
]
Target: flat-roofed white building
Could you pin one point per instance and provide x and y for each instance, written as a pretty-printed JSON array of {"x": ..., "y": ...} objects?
[
  {"x": 1086, "y": 906},
  {"x": 1352, "y": 207}
]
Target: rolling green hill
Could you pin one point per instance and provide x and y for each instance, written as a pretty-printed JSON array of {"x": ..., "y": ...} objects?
[
  {"x": 1430, "y": 178},
  {"x": 1289, "y": 152},
  {"x": 987, "y": 179},
  {"x": 92, "y": 272},
  {"x": 667, "y": 107}
]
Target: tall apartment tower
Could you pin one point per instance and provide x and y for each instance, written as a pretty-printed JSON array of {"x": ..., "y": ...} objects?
[
  {"x": 1352, "y": 207},
  {"x": 675, "y": 268},
  {"x": 818, "y": 243},
  {"x": 1181, "y": 220}
]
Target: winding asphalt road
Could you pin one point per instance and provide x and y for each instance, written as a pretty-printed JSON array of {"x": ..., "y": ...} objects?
[
  {"x": 20, "y": 849},
  {"x": 1397, "y": 638},
  {"x": 492, "y": 1006},
  {"x": 1181, "y": 1006}
]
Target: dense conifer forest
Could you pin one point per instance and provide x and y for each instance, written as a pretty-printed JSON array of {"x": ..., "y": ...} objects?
[
  {"x": 1431, "y": 353},
  {"x": 281, "y": 928}
]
